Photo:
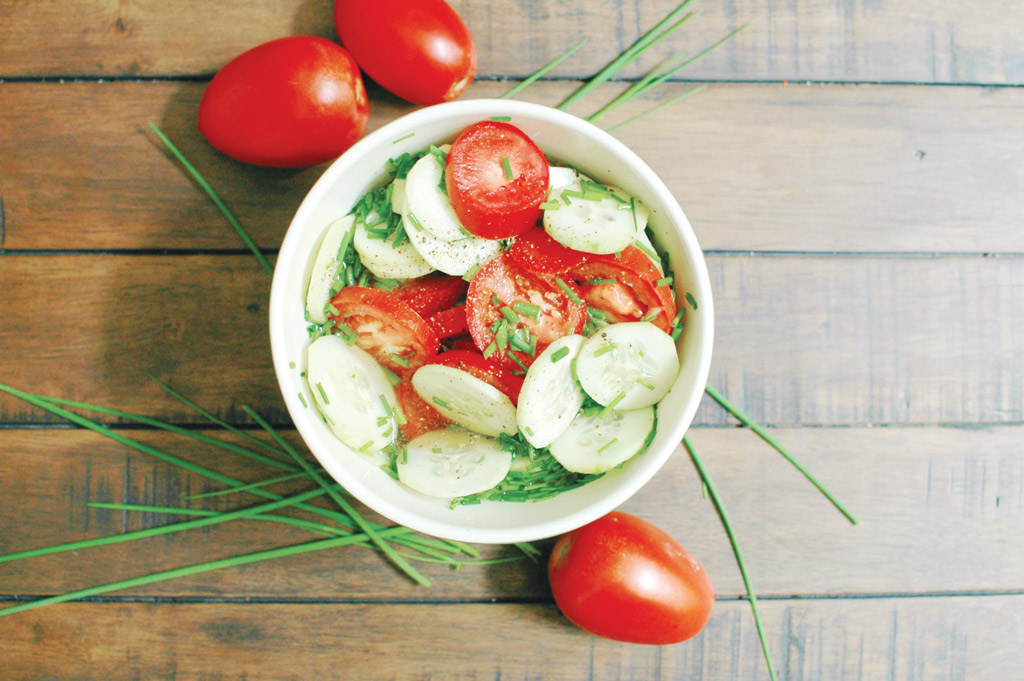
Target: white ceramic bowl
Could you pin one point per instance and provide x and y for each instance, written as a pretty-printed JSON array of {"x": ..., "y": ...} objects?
[{"x": 562, "y": 137}]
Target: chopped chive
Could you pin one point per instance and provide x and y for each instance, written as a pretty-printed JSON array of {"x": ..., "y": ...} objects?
[
  {"x": 605, "y": 349},
  {"x": 506, "y": 165},
  {"x": 403, "y": 137},
  {"x": 528, "y": 309},
  {"x": 501, "y": 337},
  {"x": 302, "y": 398},
  {"x": 415, "y": 222},
  {"x": 595, "y": 282},
  {"x": 387, "y": 407},
  {"x": 568, "y": 291},
  {"x": 608, "y": 444},
  {"x": 509, "y": 314},
  {"x": 528, "y": 430},
  {"x": 611, "y": 405},
  {"x": 542, "y": 70},
  {"x": 651, "y": 254},
  {"x": 501, "y": 119},
  {"x": 645, "y": 383},
  {"x": 752, "y": 597},
  {"x": 677, "y": 331},
  {"x": 517, "y": 361},
  {"x": 468, "y": 276},
  {"x": 559, "y": 354},
  {"x": 398, "y": 359},
  {"x": 691, "y": 300},
  {"x": 213, "y": 196},
  {"x": 550, "y": 205},
  {"x": 664, "y": 281},
  {"x": 440, "y": 402},
  {"x": 323, "y": 395},
  {"x": 764, "y": 435},
  {"x": 393, "y": 378},
  {"x": 366, "y": 447},
  {"x": 679, "y": 316},
  {"x": 490, "y": 350}
]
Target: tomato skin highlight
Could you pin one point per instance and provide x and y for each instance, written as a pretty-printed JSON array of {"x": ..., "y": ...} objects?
[
  {"x": 289, "y": 103},
  {"x": 623, "y": 578},
  {"x": 486, "y": 200},
  {"x": 419, "y": 50}
]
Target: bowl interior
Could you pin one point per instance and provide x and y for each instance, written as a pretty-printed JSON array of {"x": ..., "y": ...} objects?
[{"x": 563, "y": 137}]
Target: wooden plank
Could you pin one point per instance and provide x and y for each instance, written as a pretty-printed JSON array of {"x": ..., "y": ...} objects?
[
  {"x": 829, "y": 40},
  {"x": 864, "y": 340},
  {"x": 940, "y": 510},
  {"x": 940, "y": 639},
  {"x": 776, "y": 168}
]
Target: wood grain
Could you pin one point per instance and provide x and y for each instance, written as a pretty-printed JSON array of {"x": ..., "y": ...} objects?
[
  {"x": 865, "y": 640},
  {"x": 853, "y": 340},
  {"x": 825, "y": 40},
  {"x": 938, "y": 507},
  {"x": 756, "y": 167}
]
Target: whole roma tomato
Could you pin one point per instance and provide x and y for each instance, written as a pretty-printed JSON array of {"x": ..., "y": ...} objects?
[
  {"x": 289, "y": 103},
  {"x": 623, "y": 578},
  {"x": 419, "y": 50}
]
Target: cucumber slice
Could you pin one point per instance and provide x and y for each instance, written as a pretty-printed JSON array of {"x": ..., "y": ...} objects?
[
  {"x": 560, "y": 177},
  {"x": 465, "y": 399},
  {"x": 452, "y": 463},
  {"x": 384, "y": 259},
  {"x": 325, "y": 268},
  {"x": 451, "y": 257},
  {"x": 550, "y": 396},
  {"x": 350, "y": 389},
  {"x": 594, "y": 224},
  {"x": 398, "y": 195},
  {"x": 628, "y": 365},
  {"x": 425, "y": 199},
  {"x": 596, "y": 443}
]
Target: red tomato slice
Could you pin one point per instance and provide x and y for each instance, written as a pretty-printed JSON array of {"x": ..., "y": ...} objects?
[
  {"x": 450, "y": 322},
  {"x": 388, "y": 328},
  {"x": 628, "y": 287},
  {"x": 535, "y": 250},
  {"x": 505, "y": 281},
  {"x": 496, "y": 179},
  {"x": 420, "y": 417},
  {"x": 432, "y": 293},
  {"x": 486, "y": 370}
]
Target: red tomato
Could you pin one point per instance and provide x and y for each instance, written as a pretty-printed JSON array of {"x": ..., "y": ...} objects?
[
  {"x": 535, "y": 250},
  {"x": 420, "y": 417},
  {"x": 290, "y": 103},
  {"x": 502, "y": 279},
  {"x": 631, "y": 288},
  {"x": 432, "y": 293},
  {"x": 496, "y": 179},
  {"x": 388, "y": 328},
  {"x": 490, "y": 372},
  {"x": 450, "y": 322},
  {"x": 622, "y": 578},
  {"x": 419, "y": 50}
]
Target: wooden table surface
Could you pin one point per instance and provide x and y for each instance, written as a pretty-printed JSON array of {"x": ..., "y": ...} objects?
[{"x": 854, "y": 174}]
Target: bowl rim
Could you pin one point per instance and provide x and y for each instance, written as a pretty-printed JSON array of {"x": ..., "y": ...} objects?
[{"x": 384, "y": 136}]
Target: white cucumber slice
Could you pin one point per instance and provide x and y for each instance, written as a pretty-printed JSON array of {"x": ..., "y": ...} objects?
[
  {"x": 598, "y": 443},
  {"x": 550, "y": 396},
  {"x": 348, "y": 385},
  {"x": 325, "y": 268},
  {"x": 398, "y": 195},
  {"x": 452, "y": 463},
  {"x": 430, "y": 205},
  {"x": 465, "y": 399},
  {"x": 451, "y": 257},
  {"x": 560, "y": 177},
  {"x": 384, "y": 259},
  {"x": 628, "y": 365},
  {"x": 594, "y": 225}
]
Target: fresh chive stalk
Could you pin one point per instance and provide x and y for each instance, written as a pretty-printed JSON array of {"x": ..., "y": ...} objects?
[
  {"x": 213, "y": 196},
  {"x": 720, "y": 507},
  {"x": 659, "y": 107},
  {"x": 316, "y": 528},
  {"x": 764, "y": 435},
  {"x": 659, "y": 32},
  {"x": 542, "y": 70}
]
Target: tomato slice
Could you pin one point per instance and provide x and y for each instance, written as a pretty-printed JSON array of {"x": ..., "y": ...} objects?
[
  {"x": 537, "y": 251},
  {"x": 432, "y": 293},
  {"x": 502, "y": 292},
  {"x": 496, "y": 179},
  {"x": 485, "y": 369},
  {"x": 420, "y": 417},
  {"x": 450, "y": 322},
  {"x": 626, "y": 287},
  {"x": 387, "y": 327}
]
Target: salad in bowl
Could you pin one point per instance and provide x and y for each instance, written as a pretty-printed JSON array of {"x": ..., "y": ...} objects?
[{"x": 491, "y": 321}]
